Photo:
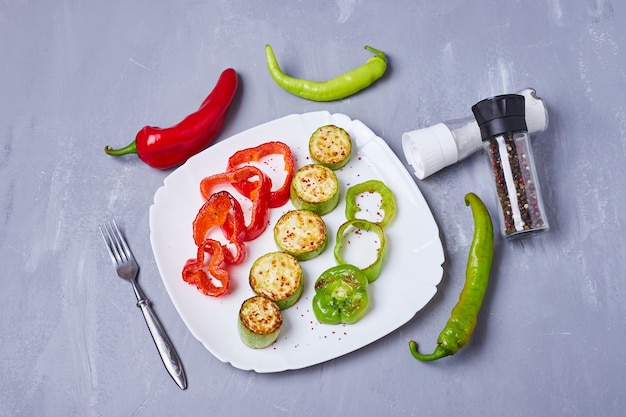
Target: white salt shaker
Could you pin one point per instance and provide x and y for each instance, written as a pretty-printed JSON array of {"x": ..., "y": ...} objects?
[{"x": 433, "y": 148}]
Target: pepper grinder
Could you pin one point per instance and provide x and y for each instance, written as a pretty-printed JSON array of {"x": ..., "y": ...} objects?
[{"x": 504, "y": 133}]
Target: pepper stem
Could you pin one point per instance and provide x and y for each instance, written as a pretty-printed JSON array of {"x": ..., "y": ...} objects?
[
  {"x": 437, "y": 354},
  {"x": 130, "y": 148},
  {"x": 375, "y": 51}
]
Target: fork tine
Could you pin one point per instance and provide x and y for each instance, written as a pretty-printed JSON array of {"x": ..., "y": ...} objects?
[
  {"x": 128, "y": 255},
  {"x": 108, "y": 241},
  {"x": 116, "y": 245}
]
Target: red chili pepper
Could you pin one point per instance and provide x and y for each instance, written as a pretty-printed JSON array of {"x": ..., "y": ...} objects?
[
  {"x": 224, "y": 211},
  {"x": 197, "y": 272},
  {"x": 169, "y": 147},
  {"x": 279, "y": 196},
  {"x": 260, "y": 196}
]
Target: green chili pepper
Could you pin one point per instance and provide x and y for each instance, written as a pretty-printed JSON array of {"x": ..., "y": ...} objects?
[
  {"x": 387, "y": 205},
  {"x": 373, "y": 270},
  {"x": 341, "y": 295},
  {"x": 462, "y": 322},
  {"x": 334, "y": 89}
]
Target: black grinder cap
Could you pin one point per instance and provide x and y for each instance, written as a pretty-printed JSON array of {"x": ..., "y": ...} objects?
[{"x": 499, "y": 114}]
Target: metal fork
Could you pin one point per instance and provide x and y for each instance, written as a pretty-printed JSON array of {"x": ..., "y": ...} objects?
[{"x": 127, "y": 268}]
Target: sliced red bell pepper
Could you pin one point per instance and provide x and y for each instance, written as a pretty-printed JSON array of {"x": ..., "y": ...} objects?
[
  {"x": 224, "y": 211},
  {"x": 278, "y": 197},
  {"x": 197, "y": 272},
  {"x": 260, "y": 195},
  {"x": 235, "y": 231}
]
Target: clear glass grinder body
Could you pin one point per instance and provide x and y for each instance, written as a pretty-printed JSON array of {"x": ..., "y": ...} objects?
[{"x": 505, "y": 138}]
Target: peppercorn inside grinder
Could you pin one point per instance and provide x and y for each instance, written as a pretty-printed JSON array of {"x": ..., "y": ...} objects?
[{"x": 504, "y": 133}]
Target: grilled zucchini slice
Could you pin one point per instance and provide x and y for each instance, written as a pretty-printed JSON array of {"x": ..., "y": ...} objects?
[
  {"x": 301, "y": 233},
  {"x": 277, "y": 276},
  {"x": 259, "y": 324},
  {"x": 315, "y": 187},
  {"x": 330, "y": 146}
]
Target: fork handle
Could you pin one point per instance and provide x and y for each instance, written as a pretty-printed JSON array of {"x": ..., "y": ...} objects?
[{"x": 164, "y": 346}]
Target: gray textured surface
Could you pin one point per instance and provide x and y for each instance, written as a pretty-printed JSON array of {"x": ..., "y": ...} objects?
[{"x": 78, "y": 75}]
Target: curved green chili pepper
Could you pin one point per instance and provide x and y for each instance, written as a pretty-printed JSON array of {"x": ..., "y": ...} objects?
[
  {"x": 334, "y": 89},
  {"x": 373, "y": 270},
  {"x": 462, "y": 322},
  {"x": 387, "y": 206}
]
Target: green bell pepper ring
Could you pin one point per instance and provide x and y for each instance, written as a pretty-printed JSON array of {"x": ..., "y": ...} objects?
[
  {"x": 373, "y": 270},
  {"x": 462, "y": 321},
  {"x": 334, "y": 89},
  {"x": 341, "y": 295},
  {"x": 387, "y": 206}
]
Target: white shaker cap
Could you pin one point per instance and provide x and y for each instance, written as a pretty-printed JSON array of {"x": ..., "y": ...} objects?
[{"x": 430, "y": 149}]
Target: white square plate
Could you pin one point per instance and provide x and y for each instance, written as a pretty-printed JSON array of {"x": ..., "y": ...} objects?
[{"x": 409, "y": 279}]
